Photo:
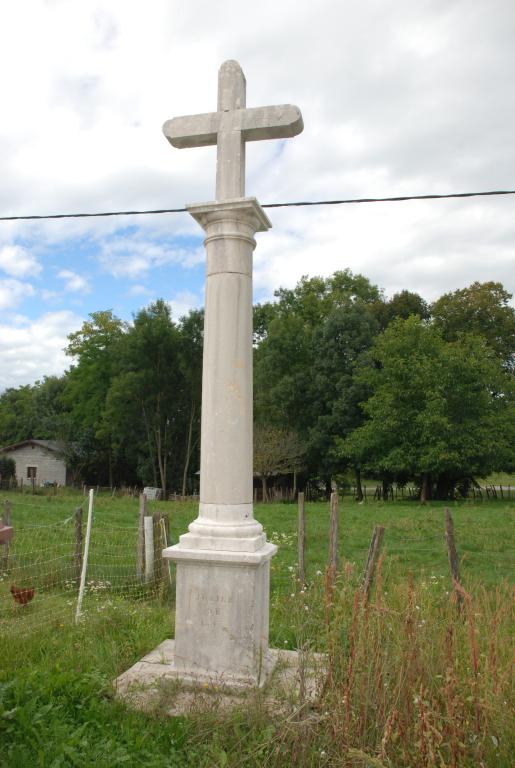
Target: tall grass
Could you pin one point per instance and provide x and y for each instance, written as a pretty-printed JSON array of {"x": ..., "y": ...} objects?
[{"x": 411, "y": 679}]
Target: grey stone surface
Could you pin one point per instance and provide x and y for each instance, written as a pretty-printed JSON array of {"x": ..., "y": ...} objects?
[
  {"x": 221, "y": 617},
  {"x": 230, "y": 127}
]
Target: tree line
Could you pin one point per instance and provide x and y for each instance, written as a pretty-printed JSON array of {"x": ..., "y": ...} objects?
[{"x": 346, "y": 383}]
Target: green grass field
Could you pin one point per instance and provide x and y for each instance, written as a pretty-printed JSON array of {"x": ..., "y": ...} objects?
[{"x": 56, "y": 704}]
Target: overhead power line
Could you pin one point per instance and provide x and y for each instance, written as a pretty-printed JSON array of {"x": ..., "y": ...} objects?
[{"x": 298, "y": 204}]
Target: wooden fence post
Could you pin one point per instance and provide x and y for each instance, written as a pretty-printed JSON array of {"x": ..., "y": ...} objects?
[
  {"x": 6, "y": 519},
  {"x": 302, "y": 538},
  {"x": 140, "y": 558},
  {"x": 452, "y": 554},
  {"x": 333, "y": 533},
  {"x": 148, "y": 527},
  {"x": 161, "y": 537},
  {"x": 165, "y": 533},
  {"x": 373, "y": 554},
  {"x": 77, "y": 555}
]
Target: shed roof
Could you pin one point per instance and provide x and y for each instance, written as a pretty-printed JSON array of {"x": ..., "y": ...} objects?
[{"x": 50, "y": 445}]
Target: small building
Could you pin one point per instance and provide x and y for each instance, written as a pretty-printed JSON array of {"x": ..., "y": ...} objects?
[{"x": 41, "y": 460}]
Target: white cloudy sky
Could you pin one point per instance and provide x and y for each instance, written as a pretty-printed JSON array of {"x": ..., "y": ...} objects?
[{"x": 398, "y": 97}]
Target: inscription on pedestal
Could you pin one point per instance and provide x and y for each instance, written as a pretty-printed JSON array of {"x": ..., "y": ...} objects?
[{"x": 221, "y": 618}]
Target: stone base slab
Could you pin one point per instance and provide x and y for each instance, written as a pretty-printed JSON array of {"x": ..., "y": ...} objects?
[{"x": 155, "y": 685}]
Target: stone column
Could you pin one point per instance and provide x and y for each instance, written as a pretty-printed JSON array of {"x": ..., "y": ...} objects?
[{"x": 223, "y": 561}]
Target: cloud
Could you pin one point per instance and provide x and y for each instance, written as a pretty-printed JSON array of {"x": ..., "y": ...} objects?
[
  {"x": 13, "y": 292},
  {"x": 32, "y": 349},
  {"x": 74, "y": 283},
  {"x": 18, "y": 262},
  {"x": 139, "y": 290},
  {"x": 183, "y": 302},
  {"x": 132, "y": 257}
]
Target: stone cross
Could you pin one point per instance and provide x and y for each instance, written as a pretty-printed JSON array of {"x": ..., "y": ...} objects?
[
  {"x": 231, "y": 127},
  {"x": 223, "y": 561}
]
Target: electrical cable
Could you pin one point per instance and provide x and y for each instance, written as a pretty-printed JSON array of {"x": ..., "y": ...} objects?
[{"x": 298, "y": 204}]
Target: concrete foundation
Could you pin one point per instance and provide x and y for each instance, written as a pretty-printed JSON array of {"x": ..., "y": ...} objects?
[{"x": 155, "y": 685}]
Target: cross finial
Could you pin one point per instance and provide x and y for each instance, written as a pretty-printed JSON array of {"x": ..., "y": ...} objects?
[
  {"x": 231, "y": 127},
  {"x": 232, "y": 86}
]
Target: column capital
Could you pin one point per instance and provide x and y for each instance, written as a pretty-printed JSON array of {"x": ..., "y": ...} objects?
[{"x": 240, "y": 210}]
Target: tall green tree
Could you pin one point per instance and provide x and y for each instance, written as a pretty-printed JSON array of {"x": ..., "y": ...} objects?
[
  {"x": 313, "y": 298},
  {"x": 402, "y": 304},
  {"x": 440, "y": 412},
  {"x": 33, "y": 411},
  {"x": 339, "y": 344},
  {"x": 17, "y": 415},
  {"x": 95, "y": 350},
  {"x": 306, "y": 358},
  {"x": 276, "y": 452},
  {"x": 191, "y": 339},
  {"x": 145, "y": 398},
  {"x": 483, "y": 309}
]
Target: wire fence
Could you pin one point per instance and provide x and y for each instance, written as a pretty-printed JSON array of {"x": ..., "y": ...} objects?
[{"x": 42, "y": 565}]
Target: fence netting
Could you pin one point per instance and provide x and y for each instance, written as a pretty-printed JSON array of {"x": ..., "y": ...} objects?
[{"x": 41, "y": 568}]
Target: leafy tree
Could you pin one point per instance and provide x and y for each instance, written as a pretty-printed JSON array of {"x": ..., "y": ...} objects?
[
  {"x": 144, "y": 402},
  {"x": 441, "y": 412},
  {"x": 191, "y": 337},
  {"x": 95, "y": 349},
  {"x": 35, "y": 411},
  {"x": 401, "y": 305},
  {"x": 304, "y": 363},
  {"x": 17, "y": 415},
  {"x": 276, "y": 452},
  {"x": 313, "y": 298},
  {"x": 282, "y": 373},
  {"x": 482, "y": 309},
  {"x": 339, "y": 345}
]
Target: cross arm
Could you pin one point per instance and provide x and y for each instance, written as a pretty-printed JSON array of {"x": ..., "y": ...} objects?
[
  {"x": 278, "y": 122},
  {"x": 193, "y": 130}
]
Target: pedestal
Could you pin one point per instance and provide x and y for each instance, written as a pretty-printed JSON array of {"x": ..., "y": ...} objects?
[{"x": 221, "y": 619}]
